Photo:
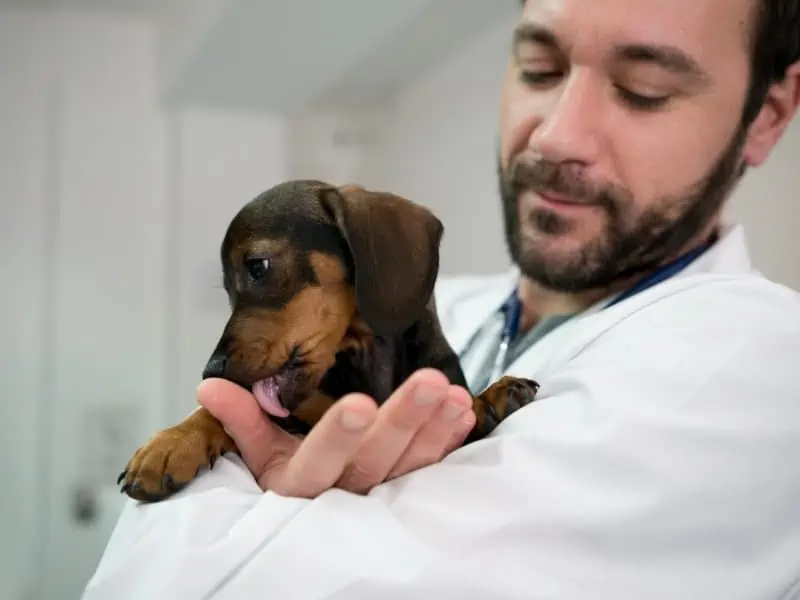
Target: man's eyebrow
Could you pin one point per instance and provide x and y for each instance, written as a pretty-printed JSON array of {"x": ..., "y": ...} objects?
[
  {"x": 536, "y": 34},
  {"x": 667, "y": 57}
]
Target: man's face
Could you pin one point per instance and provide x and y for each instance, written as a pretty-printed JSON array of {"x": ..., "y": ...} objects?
[{"x": 620, "y": 132}]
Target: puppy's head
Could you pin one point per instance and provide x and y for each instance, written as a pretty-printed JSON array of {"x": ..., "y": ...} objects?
[{"x": 311, "y": 270}]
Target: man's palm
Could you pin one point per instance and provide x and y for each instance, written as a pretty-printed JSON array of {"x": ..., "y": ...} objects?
[{"x": 356, "y": 445}]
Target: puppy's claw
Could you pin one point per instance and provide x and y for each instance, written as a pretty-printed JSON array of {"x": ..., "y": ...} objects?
[
  {"x": 498, "y": 402},
  {"x": 169, "y": 484},
  {"x": 173, "y": 458}
]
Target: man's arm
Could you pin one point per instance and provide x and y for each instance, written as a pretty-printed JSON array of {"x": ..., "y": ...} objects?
[{"x": 659, "y": 463}]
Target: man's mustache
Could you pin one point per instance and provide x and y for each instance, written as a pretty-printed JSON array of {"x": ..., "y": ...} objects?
[{"x": 548, "y": 177}]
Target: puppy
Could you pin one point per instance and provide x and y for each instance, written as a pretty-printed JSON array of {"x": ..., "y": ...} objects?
[{"x": 331, "y": 292}]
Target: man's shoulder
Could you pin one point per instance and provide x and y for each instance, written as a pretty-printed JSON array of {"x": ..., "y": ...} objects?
[
  {"x": 714, "y": 341},
  {"x": 750, "y": 300},
  {"x": 696, "y": 324},
  {"x": 704, "y": 326}
]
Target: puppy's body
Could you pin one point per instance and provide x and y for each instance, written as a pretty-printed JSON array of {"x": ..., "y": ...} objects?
[
  {"x": 381, "y": 366},
  {"x": 331, "y": 292}
]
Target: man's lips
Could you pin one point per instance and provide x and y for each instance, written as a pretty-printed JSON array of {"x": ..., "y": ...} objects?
[
  {"x": 563, "y": 202},
  {"x": 267, "y": 394}
]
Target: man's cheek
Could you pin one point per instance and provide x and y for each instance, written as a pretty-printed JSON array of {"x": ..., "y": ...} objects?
[{"x": 663, "y": 169}]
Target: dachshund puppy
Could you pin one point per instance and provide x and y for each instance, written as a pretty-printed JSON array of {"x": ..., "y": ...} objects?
[{"x": 331, "y": 292}]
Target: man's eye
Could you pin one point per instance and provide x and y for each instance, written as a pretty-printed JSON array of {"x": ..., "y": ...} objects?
[
  {"x": 642, "y": 102},
  {"x": 257, "y": 268},
  {"x": 538, "y": 77},
  {"x": 635, "y": 100}
]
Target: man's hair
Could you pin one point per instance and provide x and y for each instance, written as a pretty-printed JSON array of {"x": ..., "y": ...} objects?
[{"x": 775, "y": 47}]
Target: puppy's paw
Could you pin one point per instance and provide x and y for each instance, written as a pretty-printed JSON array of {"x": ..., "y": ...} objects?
[
  {"x": 500, "y": 400},
  {"x": 172, "y": 459}
]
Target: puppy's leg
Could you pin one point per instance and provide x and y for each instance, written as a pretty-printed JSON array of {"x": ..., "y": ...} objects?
[
  {"x": 171, "y": 459},
  {"x": 500, "y": 400}
]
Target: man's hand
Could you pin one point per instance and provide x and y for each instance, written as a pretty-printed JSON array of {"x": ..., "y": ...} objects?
[{"x": 356, "y": 445}]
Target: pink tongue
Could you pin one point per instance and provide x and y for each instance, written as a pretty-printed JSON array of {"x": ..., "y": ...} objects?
[{"x": 266, "y": 393}]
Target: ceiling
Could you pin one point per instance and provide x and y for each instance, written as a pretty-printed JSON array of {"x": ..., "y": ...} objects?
[{"x": 290, "y": 56}]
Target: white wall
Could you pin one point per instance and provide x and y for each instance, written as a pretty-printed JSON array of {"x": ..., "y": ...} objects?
[
  {"x": 335, "y": 146},
  {"x": 768, "y": 204},
  {"x": 438, "y": 146},
  {"x": 24, "y": 108},
  {"x": 112, "y": 215}
]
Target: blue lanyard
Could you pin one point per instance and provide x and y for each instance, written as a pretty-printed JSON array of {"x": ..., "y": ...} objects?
[
  {"x": 513, "y": 306},
  {"x": 662, "y": 274},
  {"x": 513, "y": 310}
]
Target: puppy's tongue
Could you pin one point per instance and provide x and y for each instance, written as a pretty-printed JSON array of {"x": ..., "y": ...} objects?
[{"x": 266, "y": 393}]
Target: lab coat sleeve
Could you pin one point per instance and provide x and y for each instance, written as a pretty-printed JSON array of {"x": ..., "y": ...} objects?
[{"x": 659, "y": 465}]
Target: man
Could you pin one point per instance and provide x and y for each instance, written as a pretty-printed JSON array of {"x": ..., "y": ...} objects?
[{"x": 660, "y": 458}]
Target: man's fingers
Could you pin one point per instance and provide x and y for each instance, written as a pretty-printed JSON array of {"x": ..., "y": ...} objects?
[
  {"x": 325, "y": 452},
  {"x": 463, "y": 429},
  {"x": 260, "y": 441},
  {"x": 444, "y": 432},
  {"x": 397, "y": 422},
  {"x": 354, "y": 446}
]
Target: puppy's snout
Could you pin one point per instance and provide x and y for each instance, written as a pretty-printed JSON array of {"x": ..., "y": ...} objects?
[{"x": 215, "y": 367}]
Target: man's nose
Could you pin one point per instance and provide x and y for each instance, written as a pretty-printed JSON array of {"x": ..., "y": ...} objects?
[{"x": 571, "y": 130}]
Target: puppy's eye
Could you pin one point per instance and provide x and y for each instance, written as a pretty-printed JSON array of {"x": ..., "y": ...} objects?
[{"x": 257, "y": 268}]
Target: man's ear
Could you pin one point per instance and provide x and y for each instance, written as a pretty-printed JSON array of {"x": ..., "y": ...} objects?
[
  {"x": 779, "y": 108},
  {"x": 394, "y": 245}
]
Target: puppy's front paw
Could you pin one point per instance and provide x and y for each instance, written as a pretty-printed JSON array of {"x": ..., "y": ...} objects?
[
  {"x": 169, "y": 461},
  {"x": 500, "y": 400}
]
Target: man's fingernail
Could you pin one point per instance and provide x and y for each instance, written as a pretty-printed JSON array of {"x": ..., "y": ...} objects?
[
  {"x": 452, "y": 411},
  {"x": 353, "y": 421}
]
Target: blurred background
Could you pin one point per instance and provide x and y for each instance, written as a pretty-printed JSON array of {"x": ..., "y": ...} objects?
[{"x": 131, "y": 131}]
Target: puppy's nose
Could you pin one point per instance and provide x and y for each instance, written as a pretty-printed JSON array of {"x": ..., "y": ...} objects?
[{"x": 215, "y": 367}]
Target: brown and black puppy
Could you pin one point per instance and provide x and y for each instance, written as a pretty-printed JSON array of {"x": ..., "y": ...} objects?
[{"x": 331, "y": 292}]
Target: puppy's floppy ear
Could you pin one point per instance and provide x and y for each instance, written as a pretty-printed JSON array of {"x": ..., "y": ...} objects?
[{"x": 394, "y": 244}]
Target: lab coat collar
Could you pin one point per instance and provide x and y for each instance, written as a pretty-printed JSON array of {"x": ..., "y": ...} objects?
[
  {"x": 729, "y": 255},
  {"x": 475, "y": 310}
]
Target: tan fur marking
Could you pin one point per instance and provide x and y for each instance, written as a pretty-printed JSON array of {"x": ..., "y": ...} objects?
[
  {"x": 178, "y": 452},
  {"x": 358, "y": 336},
  {"x": 329, "y": 269},
  {"x": 502, "y": 398},
  {"x": 311, "y": 410},
  {"x": 316, "y": 320}
]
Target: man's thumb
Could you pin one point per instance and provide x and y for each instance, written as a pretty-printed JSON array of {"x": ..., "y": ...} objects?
[{"x": 242, "y": 418}]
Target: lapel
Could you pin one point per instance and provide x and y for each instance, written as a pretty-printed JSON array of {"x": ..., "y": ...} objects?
[
  {"x": 730, "y": 255},
  {"x": 470, "y": 314}
]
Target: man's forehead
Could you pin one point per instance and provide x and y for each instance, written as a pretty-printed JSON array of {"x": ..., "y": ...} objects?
[{"x": 696, "y": 26}]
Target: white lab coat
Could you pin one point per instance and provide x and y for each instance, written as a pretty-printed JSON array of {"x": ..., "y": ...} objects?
[{"x": 661, "y": 461}]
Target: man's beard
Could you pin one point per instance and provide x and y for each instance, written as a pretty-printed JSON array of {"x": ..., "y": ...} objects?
[{"x": 630, "y": 244}]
